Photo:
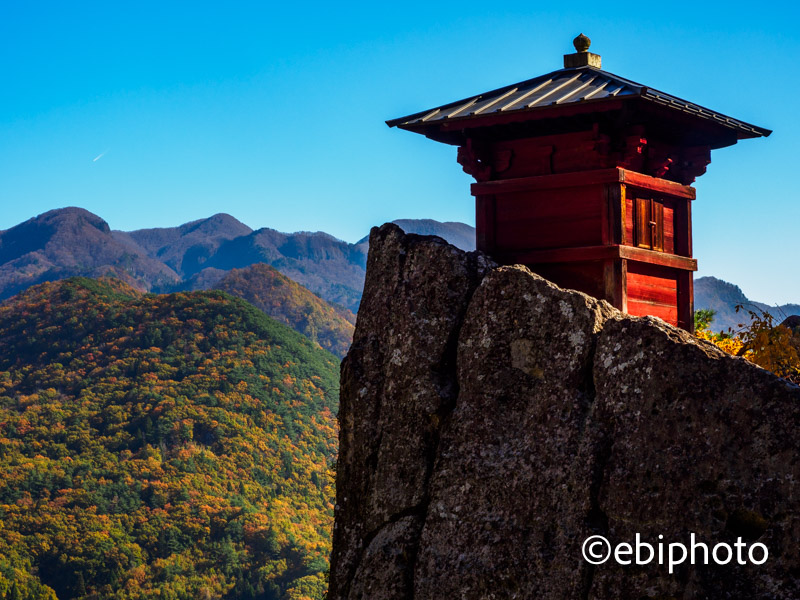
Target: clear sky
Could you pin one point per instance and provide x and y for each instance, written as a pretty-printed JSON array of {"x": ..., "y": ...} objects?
[{"x": 157, "y": 113}]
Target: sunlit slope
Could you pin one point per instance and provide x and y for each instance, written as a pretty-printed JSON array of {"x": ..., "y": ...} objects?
[{"x": 289, "y": 302}]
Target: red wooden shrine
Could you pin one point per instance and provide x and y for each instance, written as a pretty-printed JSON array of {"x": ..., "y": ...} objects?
[{"x": 585, "y": 177}]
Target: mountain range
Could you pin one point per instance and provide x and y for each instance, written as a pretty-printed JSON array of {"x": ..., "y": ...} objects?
[{"x": 194, "y": 256}]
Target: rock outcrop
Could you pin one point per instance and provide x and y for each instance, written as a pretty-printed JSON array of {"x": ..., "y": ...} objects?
[
  {"x": 490, "y": 422},
  {"x": 792, "y": 322}
]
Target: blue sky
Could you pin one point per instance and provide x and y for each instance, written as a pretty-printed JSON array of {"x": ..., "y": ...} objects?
[{"x": 275, "y": 113}]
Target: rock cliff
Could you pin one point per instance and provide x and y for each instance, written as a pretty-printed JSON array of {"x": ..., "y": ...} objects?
[{"x": 490, "y": 422}]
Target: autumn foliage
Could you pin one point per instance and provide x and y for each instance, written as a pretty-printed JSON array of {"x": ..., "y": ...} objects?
[
  {"x": 164, "y": 447},
  {"x": 759, "y": 339},
  {"x": 289, "y": 302}
]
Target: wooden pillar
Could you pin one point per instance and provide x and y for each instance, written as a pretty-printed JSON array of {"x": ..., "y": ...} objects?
[
  {"x": 614, "y": 220},
  {"x": 686, "y": 301},
  {"x": 485, "y": 230},
  {"x": 615, "y": 281}
]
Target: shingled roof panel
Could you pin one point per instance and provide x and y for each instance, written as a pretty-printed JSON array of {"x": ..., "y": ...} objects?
[{"x": 565, "y": 86}]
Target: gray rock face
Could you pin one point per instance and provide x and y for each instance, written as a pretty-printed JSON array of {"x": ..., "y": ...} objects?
[
  {"x": 490, "y": 422},
  {"x": 700, "y": 442},
  {"x": 399, "y": 382}
]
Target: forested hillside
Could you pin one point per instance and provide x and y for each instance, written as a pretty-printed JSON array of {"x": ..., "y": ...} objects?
[
  {"x": 289, "y": 302},
  {"x": 172, "y": 447}
]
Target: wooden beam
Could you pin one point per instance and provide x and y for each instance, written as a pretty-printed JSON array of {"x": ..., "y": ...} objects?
[
  {"x": 658, "y": 258},
  {"x": 656, "y": 184},
  {"x": 584, "y": 178},
  {"x": 598, "y": 253}
]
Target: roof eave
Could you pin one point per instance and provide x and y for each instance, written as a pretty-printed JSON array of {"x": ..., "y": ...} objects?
[
  {"x": 743, "y": 129},
  {"x": 414, "y": 122}
]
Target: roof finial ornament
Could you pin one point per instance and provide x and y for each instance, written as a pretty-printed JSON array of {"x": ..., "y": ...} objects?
[
  {"x": 582, "y": 43},
  {"x": 582, "y": 58}
]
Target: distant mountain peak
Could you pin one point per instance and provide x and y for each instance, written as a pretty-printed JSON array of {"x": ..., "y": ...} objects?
[
  {"x": 722, "y": 297},
  {"x": 71, "y": 241},
  {"x": 458, "y": 234},
  {"x": 69, "y": 214},
  {"x": 730, "y": 291},
  {"x": 36, "y": 233},
  {"x": 220, "y": 223}
]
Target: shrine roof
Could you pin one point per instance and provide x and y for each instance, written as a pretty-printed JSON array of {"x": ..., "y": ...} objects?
[{"x": 569, "y": 86}]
